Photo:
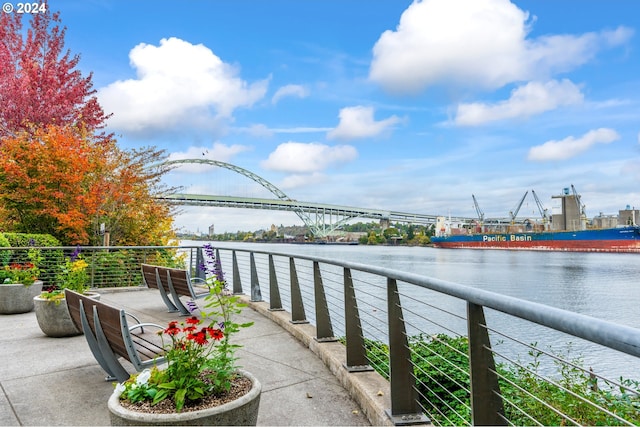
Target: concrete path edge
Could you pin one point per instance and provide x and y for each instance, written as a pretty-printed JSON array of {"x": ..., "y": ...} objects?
[{"x": 369, "y": 389}]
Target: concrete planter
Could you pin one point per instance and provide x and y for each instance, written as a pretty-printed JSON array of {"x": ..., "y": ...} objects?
[
  {"x": 18, "y": 298},
  {"x": 240, "y": 412},
  {"x": 54, "y": 318}
]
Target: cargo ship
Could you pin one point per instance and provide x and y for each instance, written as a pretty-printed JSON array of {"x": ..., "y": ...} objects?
[{"x": 566, "y": 231}]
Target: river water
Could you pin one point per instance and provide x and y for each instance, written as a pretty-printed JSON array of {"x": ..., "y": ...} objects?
[{"x": 600, "y": 285}]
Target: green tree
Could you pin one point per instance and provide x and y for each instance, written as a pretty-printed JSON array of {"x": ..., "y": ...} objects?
[
  {"x": 410, "y": 233},
  {"x": 390, "y": 232},
  {"x": 373, "y": 239}
]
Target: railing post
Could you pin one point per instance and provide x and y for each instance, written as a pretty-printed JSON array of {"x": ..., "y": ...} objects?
[
  {"x": 256, "y": 295},
  {"x": 275, "y": 304},
  {"x": 356, "y": 351},
  {"x": 219, "y": 262},
  {"x": 486, "y": 400},
  {"x": 298, "y": 314},
  {"x": 200, "y": 273},
  {"x": 404, "y": 398},
  {"x": 324, "y": 330},
  {"x": 93, "y": 269},
  {"x": 237, "y": 283}
]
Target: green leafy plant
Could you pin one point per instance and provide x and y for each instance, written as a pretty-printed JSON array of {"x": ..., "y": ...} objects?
[
  {"x": 25, "y": 273},
  {"x": 200, "y": 356},
  {"x": 5, "y": 254},
  {"x": 119, "y": 268},
  {"x": 442, "y": 381},
  {"x": 72, "y": 275}
]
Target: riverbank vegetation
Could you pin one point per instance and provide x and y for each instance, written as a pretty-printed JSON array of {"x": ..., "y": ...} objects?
[
  {"x": 442, "y": 380},
  {"x": 370, "y": 233}
]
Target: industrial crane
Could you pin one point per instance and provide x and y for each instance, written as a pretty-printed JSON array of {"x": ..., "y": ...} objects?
[
  {"x": 478, "y": 210},
  {"x": 514, "y": 213},
  {"x": 543, "y": 211},
  {"x": 581, "y": 207}
]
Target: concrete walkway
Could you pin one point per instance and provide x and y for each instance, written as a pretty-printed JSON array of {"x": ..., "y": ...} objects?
[{"x": 56, "y": 381}]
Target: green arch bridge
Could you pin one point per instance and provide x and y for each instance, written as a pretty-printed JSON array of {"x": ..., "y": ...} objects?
[{"x": 321, "y": 219}]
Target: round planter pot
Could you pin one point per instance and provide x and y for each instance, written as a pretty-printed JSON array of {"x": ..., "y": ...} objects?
[
  {"x": 240, "y": 412},
  {"x": 18, "y": 298},
  {"x": 54, "y": 318}
]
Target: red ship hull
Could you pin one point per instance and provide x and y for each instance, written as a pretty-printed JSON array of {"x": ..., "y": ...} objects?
[{"x": 622, "y": 240}]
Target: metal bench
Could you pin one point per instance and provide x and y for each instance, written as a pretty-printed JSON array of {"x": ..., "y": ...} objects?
[
  {"x": 180, "y": 283},
  {"x": 110, "y": 337},
  {"x": 151, "y": 278}
]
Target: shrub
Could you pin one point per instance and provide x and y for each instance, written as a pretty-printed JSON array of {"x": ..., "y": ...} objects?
[
  {"x": 118, "y": 269},
  {"x": 23, "y": 240},
  {"x": 5, "y": 255},
  {"x": 50, "y": 258}
]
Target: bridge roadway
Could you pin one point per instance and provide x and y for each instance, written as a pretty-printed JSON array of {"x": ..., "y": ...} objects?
[
  {"x": 321, "y": 210},
  {"x": 328, "y": 218}
]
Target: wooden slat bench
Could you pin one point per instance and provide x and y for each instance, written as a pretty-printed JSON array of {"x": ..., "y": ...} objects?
[
  {"x": 152, "y": 280},
  {"x": 180, "y": 284},
  {"x": 110, "y": 337}
]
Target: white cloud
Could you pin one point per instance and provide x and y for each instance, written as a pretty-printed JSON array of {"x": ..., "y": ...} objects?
[
  {"x": 474, "y": 43},
  {"x": 532, "y": 98},
  {"x": 177, "y": 84},
  {"x": 218, "y": 151},
  {"x": 261, "y": 130},
  {"x": 290, "y": 90},
  {"x": 358, "y": 122},
  {"x": 302, "y": 180},
  {"x": 258, "y": 130},
  {"x": 570, "y": 146},
  {"x": 300, "y": 130},
  {"x": 298, "y": 157}
]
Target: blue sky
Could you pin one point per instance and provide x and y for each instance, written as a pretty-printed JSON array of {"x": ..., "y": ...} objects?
[{"x": 386, "y": 104}]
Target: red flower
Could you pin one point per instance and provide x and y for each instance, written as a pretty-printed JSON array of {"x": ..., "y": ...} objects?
[
  {"x": 216, "y": 334},
  {"x": 193, "y": 320},
  {"x": 172, "y": 329},
  {"x": 200, "y": 338},
  {"x": 189, "y": 328}
]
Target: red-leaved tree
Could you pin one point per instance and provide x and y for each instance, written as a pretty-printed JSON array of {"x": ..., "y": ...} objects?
[{"x": 39, "y": 82}]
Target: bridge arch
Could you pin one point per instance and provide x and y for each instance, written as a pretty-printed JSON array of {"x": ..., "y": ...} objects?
[
  {"x": 317, "y": 227},
  {"x": 266, "y": 184}
]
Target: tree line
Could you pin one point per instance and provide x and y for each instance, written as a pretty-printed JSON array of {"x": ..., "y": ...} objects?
[{"x": 371, "y": 234}]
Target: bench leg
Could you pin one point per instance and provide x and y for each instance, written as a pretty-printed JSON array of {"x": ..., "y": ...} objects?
[
  {"x": 93, "y": 344},
  {"x": 163, "y": 293},
  {"x": 110, "y": 358},
  {"x": 184, "y": 311},
  {"x": 176, "y": 298}
]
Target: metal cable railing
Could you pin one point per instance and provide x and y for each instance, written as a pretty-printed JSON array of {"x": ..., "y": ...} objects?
[
  {"x": 452, "y": 354},
  {"x": 439, "y": 340},
  {"x": 108, "y": 266}
]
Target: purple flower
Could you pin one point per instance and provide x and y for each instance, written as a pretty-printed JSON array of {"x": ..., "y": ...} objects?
[
  {"x": 212, "y": 264},
  {"x": 75, "y": 254},
  {"x": 192, "y": 306}
]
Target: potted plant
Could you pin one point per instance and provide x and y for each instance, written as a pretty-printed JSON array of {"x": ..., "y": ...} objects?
[
  {"x": 201, "y": 383},
  {"x": 19, "y": 284},
  {"x": 50, "y": 306}
]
